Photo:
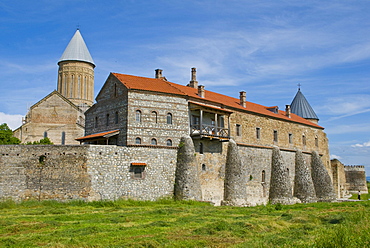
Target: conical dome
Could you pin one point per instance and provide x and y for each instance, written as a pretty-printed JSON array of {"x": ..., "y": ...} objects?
[
  {"x": 302, "y": 108},
  {"x": 77, "y": 50}
]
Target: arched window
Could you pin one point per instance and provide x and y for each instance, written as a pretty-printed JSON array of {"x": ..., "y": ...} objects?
[
  {"x": 45, "y": 134},
  {"x": 204, "y": 167},
  {"x": 263, "y": 176},
  {"x": 155, "y": 117},
  {"x": 63, "y": 138},
  {"x": 304, "y": 139},
  {"x": 316, "y": 141},
  {"x": 169, "y": 118},
  {"x": 138, "y": 116},
  {"x": 138, "y": 141},
  {"x": 116, "y": 118},
  {"x": 169, "y": 142},
  {"x": 153, "y": 142}
]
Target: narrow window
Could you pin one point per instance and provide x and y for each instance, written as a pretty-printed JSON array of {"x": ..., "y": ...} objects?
[
  {"x": 290, "y": 138},
  {"x": 155, "y": 117},
  {"x": 169, "y": 142},
  {"x": 258, "y": 132},
  {"x": 238, "y": 130},
  {"x": 275, "y": 136},
  {"x": 63, "y": 138},
  {"x": 45, "y": 134},
  {"x": 79, "y": 86},
  {"x": 85, "y": 88},
  {"x": 107, "y": 120},
  {"x": 115, "y": 90},
  {"x": 263, "y": 176},
  {"x": 153, "y": 142},
  {"x": 316, "y": 142},
  {"x": 201, "y": 148},
  {"x": 138, "y": 116},
  {"x": 72, "y": 82},
  {"x": 96, "y": 122},
  {"x": 169, "y": 118},
  {"x": 116, "y": 117},
  {"x": 138, "y": 141},
  {"x": 204, "y": 167},
  {"x": 304, "y": 139}
]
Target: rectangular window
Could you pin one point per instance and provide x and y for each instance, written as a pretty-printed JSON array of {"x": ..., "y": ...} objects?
[
  {"x": 290, "y": 138},
  {"x": 137, "y": 170},
  {"x": 258, "y": 132},
  {"x": 275, "y": 136},
  {"x": 238, "y": 130}
]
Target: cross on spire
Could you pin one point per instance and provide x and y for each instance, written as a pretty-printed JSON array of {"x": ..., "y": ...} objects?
[{"x": 299, "y": 86}]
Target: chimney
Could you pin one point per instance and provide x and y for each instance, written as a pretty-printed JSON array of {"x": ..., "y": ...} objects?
[
  {"x": 201, "y": 92},
  {"x": 193, "y": 82},
  {"x": 287, "y": 110},
  {"x": 158, "y": 73},
  {"x": 243, "y": 98}
]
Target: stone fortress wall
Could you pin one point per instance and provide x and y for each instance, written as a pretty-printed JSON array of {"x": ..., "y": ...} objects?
[{"x": 97, "y": 172}]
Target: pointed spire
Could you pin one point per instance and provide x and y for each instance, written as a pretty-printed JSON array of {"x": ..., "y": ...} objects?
[
  {"x": 301, "y": 107},
  {"x": 77, "y": 50}
]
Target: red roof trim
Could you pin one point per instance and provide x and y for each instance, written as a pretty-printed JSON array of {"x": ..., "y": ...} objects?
[
  {"x": 97, "y": 135},
  {"x": 138, "y": 164}
]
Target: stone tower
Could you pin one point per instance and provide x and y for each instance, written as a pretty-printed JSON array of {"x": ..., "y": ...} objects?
[{"x": 76, "y": 73}]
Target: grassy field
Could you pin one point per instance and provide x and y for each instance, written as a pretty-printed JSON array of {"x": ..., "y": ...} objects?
[{"x": 168, "y": 223}]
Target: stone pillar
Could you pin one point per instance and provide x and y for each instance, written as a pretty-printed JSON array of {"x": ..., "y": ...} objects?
[
  {"x": 187, "y": 182},
  {"x": 303, "y": 185},
  {"x": 235, "y": 178},
  {"x": 280, "y": 186},
  {"x": 321, "y": 180}
]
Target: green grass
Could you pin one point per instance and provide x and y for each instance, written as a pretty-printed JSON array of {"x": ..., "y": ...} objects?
[{"x": 168, "y": 223}]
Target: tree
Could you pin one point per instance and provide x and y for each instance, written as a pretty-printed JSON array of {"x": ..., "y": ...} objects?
[
  {"x": 44, "y": 141},
  {"x": 6, "y": 136}
]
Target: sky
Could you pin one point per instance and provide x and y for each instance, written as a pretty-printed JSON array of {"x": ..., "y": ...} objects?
[{"x": 265, "y": 48}]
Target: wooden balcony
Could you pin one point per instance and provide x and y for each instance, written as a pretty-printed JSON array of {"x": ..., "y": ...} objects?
[{"x": 210, "y": 132}]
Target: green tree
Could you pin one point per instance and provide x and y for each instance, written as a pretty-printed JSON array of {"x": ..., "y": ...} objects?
[
  {"x": 6, "y": 136},
  {"x": 44, "y": 141}
]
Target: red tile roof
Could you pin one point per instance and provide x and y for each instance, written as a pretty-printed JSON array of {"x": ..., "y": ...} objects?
[
  {"x": 163, "y": 86},
  {"x": 97, "y": 135}
]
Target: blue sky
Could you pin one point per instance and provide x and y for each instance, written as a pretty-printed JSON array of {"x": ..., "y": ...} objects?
[{"x": 262, "y": 47}]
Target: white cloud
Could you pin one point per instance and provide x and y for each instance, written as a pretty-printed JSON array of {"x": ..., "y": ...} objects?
[
  {"x": 13, "y": 121},
  {"x": 366, "y": 144},
  {"x": 333, "y": 156}
]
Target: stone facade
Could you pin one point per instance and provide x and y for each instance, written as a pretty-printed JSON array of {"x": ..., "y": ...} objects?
[
  {"x": 356, "y": 179},
  {"x": 54, "y": 117},
  {"x": 86, "y": 172},
  {"x": 348, "y": 179}
]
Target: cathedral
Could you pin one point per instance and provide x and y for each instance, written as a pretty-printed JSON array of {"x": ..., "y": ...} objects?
[{"x": 60, "y": 115}]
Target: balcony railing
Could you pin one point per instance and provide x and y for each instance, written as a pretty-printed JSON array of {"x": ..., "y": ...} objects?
[{"x": 209, "y": 131}]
